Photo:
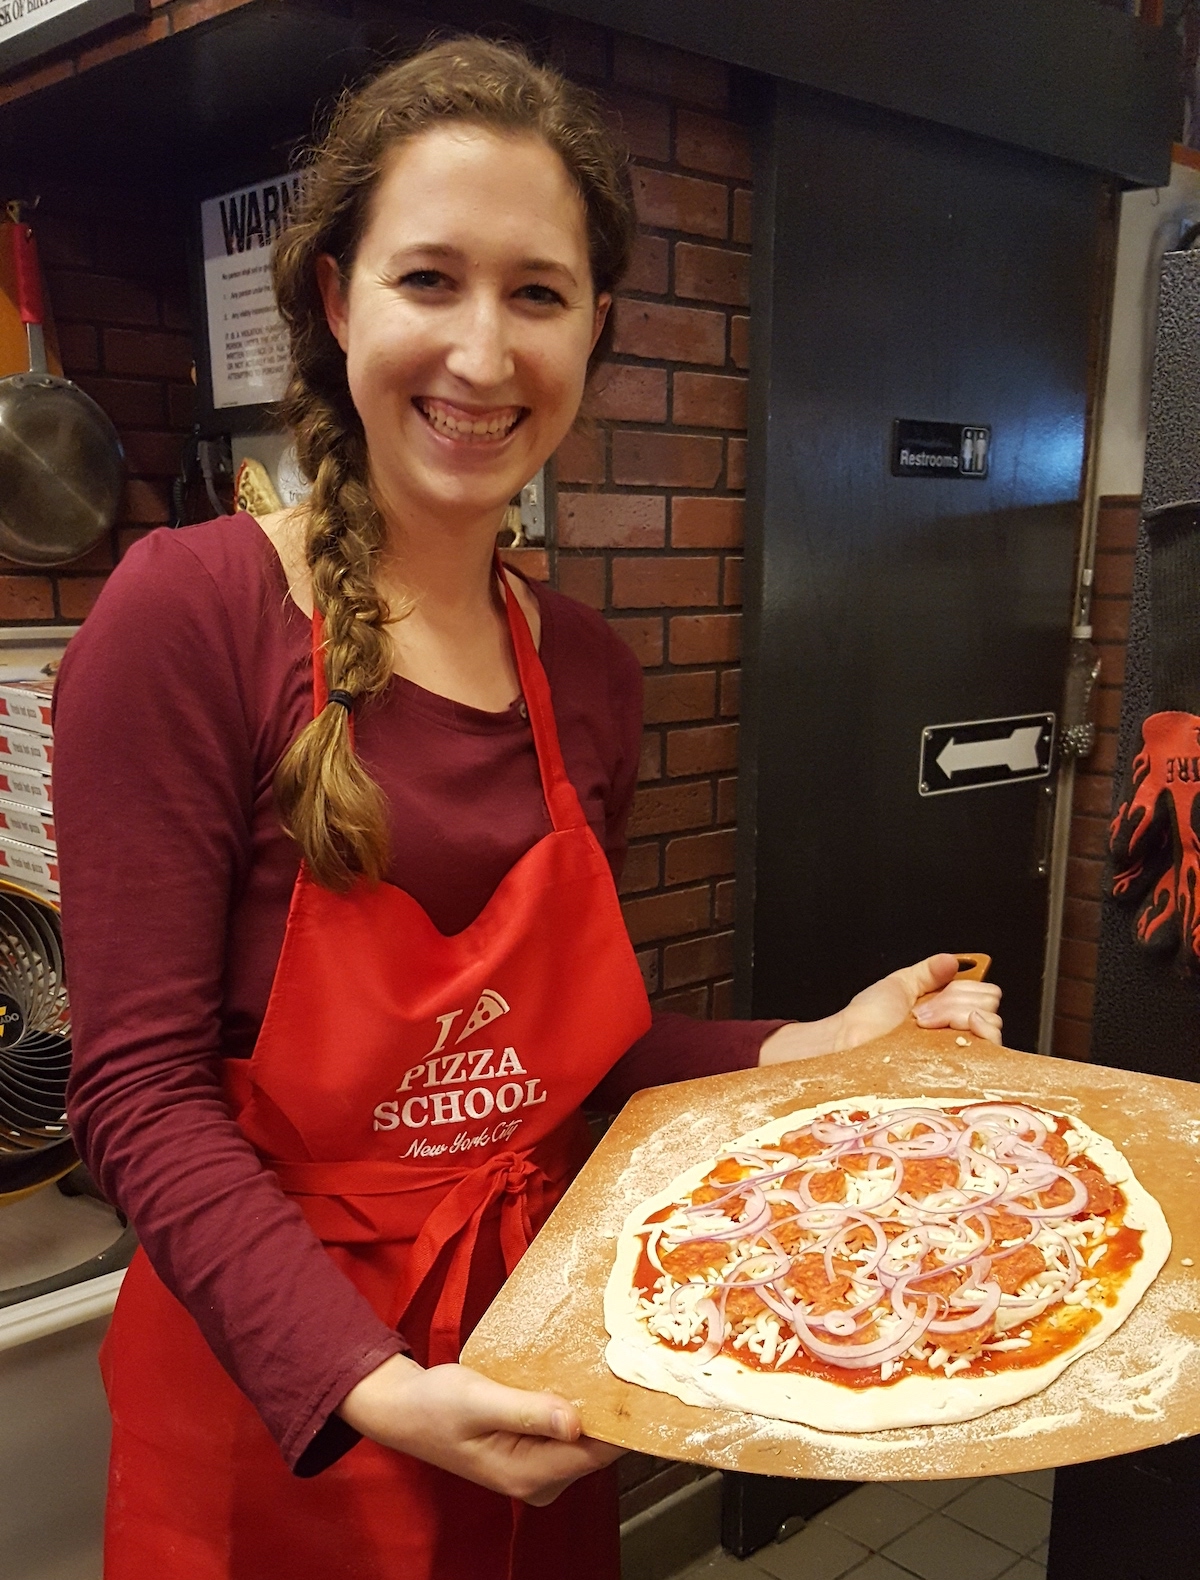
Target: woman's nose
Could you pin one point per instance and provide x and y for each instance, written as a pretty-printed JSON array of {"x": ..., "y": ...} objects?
[{"x": 481, "y": 352}]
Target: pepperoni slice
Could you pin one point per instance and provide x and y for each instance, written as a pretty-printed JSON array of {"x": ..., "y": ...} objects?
[
  {"x": 743, "y": 1305},
  {"x": 801, "y": 1144},
  {"x": 1015, "y": 1269},
  {"x": 1055, "y": 1149},
  {"x": 1006, "y": 1225},
  {"x": 1102, "y": 1198},
  {"x": 809, "y": 1280},
  {"x": 827, "y": 1186},
  {"x": 698, "y": 1256},
  {"x": 940, "y": 1283},
  {"x": 732, "y": 1205},
  {"x": 923, "y": 1176}
]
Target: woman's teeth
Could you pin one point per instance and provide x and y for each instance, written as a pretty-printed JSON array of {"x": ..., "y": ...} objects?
[{"x": 495, "y": 426}]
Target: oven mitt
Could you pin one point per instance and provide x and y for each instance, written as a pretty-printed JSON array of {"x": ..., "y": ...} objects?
[{"x": 1155, "y": 836}]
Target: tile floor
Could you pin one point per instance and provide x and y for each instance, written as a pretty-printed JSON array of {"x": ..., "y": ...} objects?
[{"x": 996, "y": 1528}]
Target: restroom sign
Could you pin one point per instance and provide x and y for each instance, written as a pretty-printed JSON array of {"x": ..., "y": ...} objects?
[{"x": 940, "y": 449}]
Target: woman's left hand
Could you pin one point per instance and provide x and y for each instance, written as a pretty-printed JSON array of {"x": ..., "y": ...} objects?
[{"x": 959, "y": 1004}]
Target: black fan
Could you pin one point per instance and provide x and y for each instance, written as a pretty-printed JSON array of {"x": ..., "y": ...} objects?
[{"x": 35, "y": 1044}]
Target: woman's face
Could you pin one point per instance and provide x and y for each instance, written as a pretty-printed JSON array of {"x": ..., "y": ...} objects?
[{"x": 467, "y": 321}]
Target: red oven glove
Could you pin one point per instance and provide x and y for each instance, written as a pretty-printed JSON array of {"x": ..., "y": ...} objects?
[
  {"x": 1154, "y": 839},
  {"x": 1155, "y": 836}
]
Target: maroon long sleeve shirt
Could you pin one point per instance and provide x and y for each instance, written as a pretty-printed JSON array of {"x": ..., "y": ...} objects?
[{"x": 174, "y": 703}]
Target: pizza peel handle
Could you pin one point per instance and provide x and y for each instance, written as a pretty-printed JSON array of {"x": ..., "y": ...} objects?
[
  {"x": 61, "y": 462},
  {"x": 971, "y": 968}
]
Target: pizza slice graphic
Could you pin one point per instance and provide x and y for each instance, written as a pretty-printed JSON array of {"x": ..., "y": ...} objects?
[{"x": 490, "y": 1007}]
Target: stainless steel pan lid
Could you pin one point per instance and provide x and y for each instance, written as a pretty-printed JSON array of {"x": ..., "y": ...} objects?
[{"x": 61, "y": 462}]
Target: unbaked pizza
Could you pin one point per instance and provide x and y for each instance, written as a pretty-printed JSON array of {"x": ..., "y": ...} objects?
[{"x": 880, "y": 1263}]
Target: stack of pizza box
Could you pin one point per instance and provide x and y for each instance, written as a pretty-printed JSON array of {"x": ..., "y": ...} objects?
[{"x": 28, "y": 852}]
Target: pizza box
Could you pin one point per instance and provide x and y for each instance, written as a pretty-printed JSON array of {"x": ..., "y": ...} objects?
[
  {"x": 27, "y": 787},
  {"x": 24, "y": 749},
  {"x": 31, "y": 826},
  {"x": 29, "y": 865},
  {"x": 1140, "y": 1388},
  {"x": 27, "y": 704}
]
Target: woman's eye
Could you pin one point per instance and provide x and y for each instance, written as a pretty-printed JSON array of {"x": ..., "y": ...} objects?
[
  {"x": 543, "y": 295},
  {"x": 424, "y": 279}
]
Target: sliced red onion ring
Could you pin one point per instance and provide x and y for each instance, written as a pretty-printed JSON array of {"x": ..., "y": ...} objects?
[{"x": 973, "y": 1319}]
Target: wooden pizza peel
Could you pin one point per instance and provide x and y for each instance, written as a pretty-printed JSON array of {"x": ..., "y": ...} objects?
[{"x": 1140, "y": 1388}]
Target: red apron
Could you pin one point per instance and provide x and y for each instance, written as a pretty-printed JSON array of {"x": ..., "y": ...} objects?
[{"x": 418, "y": 1095}]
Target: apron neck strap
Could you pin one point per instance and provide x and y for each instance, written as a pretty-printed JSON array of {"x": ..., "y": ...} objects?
[{"x": 561, "y": 801}]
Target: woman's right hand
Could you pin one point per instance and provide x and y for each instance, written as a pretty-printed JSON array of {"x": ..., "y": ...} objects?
[{"x": 524, "y": 1445}]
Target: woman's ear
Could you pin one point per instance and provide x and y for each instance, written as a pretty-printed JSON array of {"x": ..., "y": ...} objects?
[
  {"x": 333, "y": 295},
  {"x": 603, "y": 304}
]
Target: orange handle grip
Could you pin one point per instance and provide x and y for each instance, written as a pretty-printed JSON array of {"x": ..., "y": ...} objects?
[{"x": 29, "y": 278}]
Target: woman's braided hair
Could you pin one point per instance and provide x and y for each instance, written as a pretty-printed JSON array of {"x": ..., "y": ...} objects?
[{"x": 328, "y": 802}]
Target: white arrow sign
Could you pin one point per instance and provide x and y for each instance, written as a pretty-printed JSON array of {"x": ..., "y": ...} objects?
[{"x": 1016, "y": 752}]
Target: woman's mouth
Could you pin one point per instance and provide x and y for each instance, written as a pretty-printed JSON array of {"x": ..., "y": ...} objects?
[{"x": 469, "y": 427}]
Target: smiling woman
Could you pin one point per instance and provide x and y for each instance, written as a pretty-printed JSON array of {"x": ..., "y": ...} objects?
[{"x": 335, "y": 1032}]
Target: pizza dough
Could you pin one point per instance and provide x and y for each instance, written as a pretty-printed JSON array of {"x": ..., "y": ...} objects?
[{"x": 803, "y": 1279}]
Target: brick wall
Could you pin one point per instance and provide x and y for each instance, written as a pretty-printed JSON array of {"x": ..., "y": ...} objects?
[{"x": 1116, "y": 537}]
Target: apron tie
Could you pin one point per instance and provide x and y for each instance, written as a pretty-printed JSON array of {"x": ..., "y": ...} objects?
[{"x": 519, "y": 1185}]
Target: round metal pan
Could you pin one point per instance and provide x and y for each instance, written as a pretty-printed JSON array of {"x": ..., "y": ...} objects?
[{"x": 61, "y": 462}]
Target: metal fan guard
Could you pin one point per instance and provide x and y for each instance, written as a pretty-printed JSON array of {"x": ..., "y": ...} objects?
[{"x": 35, "y": 1043}]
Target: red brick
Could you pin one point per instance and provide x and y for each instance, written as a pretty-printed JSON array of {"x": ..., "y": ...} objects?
[
  {"x": 644, "y": 125},
  {"x": 102, "y": 299},
  {"x": 1104, "y": 757},
  {"x": 628, "y": 394},
  {"x": 534, "y": 563},
  {"x": 692, "y": 1002},
  {"x": 700, "y": 856},
  {"x": 612, "y": 521},
  {"x": 739, "y": 341},
  {"x": 151, "y": 353},
  {"x": 666, "y": 808},
  {"x": 727, "y": 800},
  {"x": 580, "y": 457},
  {"x": 181, "y": 406},
  {"x": 667, "y": 915},
  {"x": 1110, "y": 619},
  {"x": 1073, "y": 998},
  {"x": 26, "y": 598},
  {"x": 743, "y": 216},
  {"x": 1072, "y": 1039},
  {"x": 722, "y": 1000},
  {"x": 32, "y": 82},
  {"x": 1077, "y": 959},
  {"x": 583, "y": 579},
  {"x": 1084, "y": 877},
  {"x": 650, "y": 762},
  {"x": 671, "y": 698},
  {"x": 667, "y": 460},
  {"x": 672, "y": 202},
  {"x": 731, "y": 594},
  {"x": 658, "y": 331},
  {"x": 698, "y": 523},
  {"x": 1112, "y": 664},
  {"x": 1093, "y": 794},
  {"x": 1117, "y": 524},
  {"x": 1081, "y": 919},
  {"x": 649, "y": 267},
  {"x": 98, "y": 558},
  {"x": 195, "y": 12},
  {"x": 149, "y": 454},
  {"x": 731, "y": 693},
  {"x": 131, "y": 403},
  {"x": 1107, "y": 707},
  {"x": 79, "y": 347},
  {"x": 672, "y": 581},
  {"x": 735, "y": 463},
  {"x": 641, "y": 869},
  {"x": 695, "y": 79},
  {"x": 1089, "y": 836},
  {"x": 145, "y": 503},
  {"x": 705, "y": 638},
  {"x": 697, "y": 960},
  {"x": 725, "y": 901},
  {"x": 77, "y": 594},
  {"x": 647, "y": 960},
  {"x": 1114, "y": 575},
  {"x": 708, "y": 400},
  {"x": 150, "y": 31},
  {"x": 702, "y": 751},
  {"x": 580, "y": 49},
  {"x": 707, "y": 142},
  {"x": 712, "y": 274},
  {"x": 645, "y": 637}
]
